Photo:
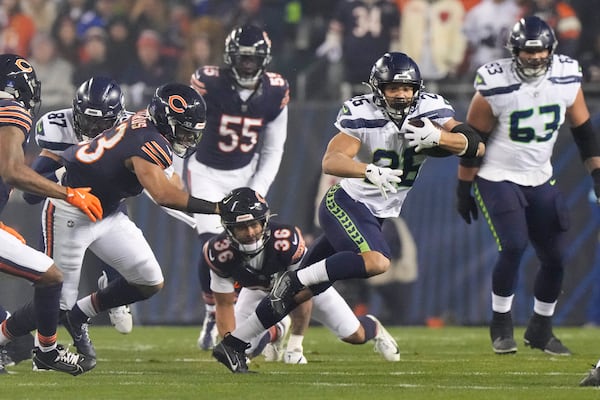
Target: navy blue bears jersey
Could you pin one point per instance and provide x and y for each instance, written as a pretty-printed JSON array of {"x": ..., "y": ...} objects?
[
  {"x": 12, "y": 113},
  {"x": 234, "y": 127},
  {"x": 284, "y": 247},
  {"x": 100, "y": 163},
  {"x": 366, "y": 32}
]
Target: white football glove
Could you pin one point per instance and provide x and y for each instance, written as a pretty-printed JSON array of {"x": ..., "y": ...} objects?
[
  {"x": 294, "y": 357},
  {"x": 331, "y": 48},
  {"x": 423, "y": 137},
  {"x": 383, "y": 178}
]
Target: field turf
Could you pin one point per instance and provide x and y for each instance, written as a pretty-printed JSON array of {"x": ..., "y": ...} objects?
[{"x": 445, "y": 363}]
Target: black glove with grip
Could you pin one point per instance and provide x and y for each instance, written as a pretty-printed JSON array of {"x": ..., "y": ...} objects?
[{"x": 465, "y": 203}]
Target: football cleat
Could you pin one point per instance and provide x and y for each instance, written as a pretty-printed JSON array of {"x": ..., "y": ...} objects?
[
  {"x": 295, "y": 356},
  {"x": 538, "y": 335},
  {"x": 283, "y": 291},
  {"x": 592, "y": 378},
  {"x": 209, "y": 332},
  {"x": 120, "y": 317},
  {"x": 2, "y": 369},
  {"x": 5, "y": 359},
  {"x": 385, "y": 344},
  {"x": 79, "y": 333},
  {"x": 62, "y": 360},
  {"x": 231, "y": 352},
  {"x": 274, "y": 350},
  {"x": 501, "y": 333}
]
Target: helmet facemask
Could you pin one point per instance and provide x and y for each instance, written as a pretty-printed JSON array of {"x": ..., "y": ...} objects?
[
  {"x": 397, "y": 107},
  {"x": 532, "y": 68},
  {"x": 184, "y": 139},
  {"x": 246, "y": 236},
  {"x": 247, "y": 53}
]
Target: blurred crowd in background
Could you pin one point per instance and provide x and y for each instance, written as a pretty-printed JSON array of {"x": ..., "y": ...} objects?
[{"x": 144, "y": 43}]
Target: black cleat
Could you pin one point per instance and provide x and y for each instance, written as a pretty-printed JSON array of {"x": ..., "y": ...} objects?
[
  {"x": 501, "y": 333},
  {"x": 62, "y": 360},
  {"x": 539, "y": 336},
  {"x": 592, "y": 378},
  {"x": 283, "y": 291},
  {"x": 18, "y": 349},
  {"x": 79, "y": 333},
  {"x": 231, "y": 352}
]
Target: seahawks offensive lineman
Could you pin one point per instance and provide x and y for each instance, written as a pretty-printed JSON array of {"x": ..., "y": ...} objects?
[
  {"x": 98, "y": 105},
  {"x": 375, "y": 146},
  {"x": 251, "y": 252},
  {"x": 246, "y": 128},
  {"x": 117, "y": 164},
  {"x": 519, "y": 104}
]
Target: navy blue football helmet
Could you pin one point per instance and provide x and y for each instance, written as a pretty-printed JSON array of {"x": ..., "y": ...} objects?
[
  {"x": 98, "y": 105},
  {"x": 395, "y": 68},
  {"x": 17, "y": 78},
  {"x": 240, "y": 207},
  {"x": 532, "y": 34},
  {"x": 179, "y": 113},
  {"x": 247, "y": 54}
]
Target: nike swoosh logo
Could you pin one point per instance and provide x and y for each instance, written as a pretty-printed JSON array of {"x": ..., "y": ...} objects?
[
  {"x": 295, "y": 240},
  {"x": 552, "y": 182},
  {"x": 211, "y": 257}
]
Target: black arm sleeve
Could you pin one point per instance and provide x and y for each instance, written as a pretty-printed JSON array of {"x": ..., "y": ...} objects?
[
  {"x": 199, "y": 206},
  {"x": 473, "y": 139},
  {"x": 586, "y": 141}
]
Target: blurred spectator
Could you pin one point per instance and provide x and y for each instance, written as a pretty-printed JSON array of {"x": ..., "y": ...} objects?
[
  {"x": 54, "y": 72},
  {"x": 212, "y": 28},
  {"x": 563, "y": 19},
  {"x": 73, "y": 8},
  {"x": 486, "y": 27},
  {"x": 93, "y": 57},
  {"x": 359, "y": 33},
  {"x": 245, "y": 12},
  {"x": 65, "y": 36},
  {"x": 589, "y": 15},
  {"x": 16, "y": 29},
  {"x": 149, "y": 14},
  {"x": 431, "y": 33},
  {"x": 98, "y": 16},
  {"x": 149, "y": 71},
  {"x": 42, "y": 12},
  {"x": 121, "y": 41},
  {"x": 197, "y": 53}
]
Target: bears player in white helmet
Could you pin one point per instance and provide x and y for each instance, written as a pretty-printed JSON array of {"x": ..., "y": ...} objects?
[
  {"x": 378, "y": 152},
  {"x": 98, "y": 105},
  {"x": 20, "y": 97},
  {"x": 242, "y": 145},
  {"x": 519, "y": 105},
  {"x": 252, "y": 251}
]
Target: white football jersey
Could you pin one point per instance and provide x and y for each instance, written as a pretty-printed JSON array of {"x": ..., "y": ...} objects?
[
  {"x": 54, "y": 130},
  {"x": 529, "y": 116},
  {"x": 383, "y": 144}
]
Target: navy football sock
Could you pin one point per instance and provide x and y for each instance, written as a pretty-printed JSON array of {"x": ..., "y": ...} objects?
[
  {"x": 345, "y": 265},
  {"x": 45, "y": 303},
  {"x": 370, "y": 327}
]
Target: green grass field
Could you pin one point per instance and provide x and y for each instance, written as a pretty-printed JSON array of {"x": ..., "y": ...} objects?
[{"x": 449, "y": 363}]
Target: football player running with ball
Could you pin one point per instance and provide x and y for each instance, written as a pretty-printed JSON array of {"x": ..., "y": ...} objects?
[
  {"x": 242, "y": 145},
  {"x": 378, "y": 153},
  {"x": 519, "y": 105}
]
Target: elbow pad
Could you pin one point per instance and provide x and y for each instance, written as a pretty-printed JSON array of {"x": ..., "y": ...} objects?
[
  {"x": 473, "y": 139},
  {"x": 586, "y": 141}
]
